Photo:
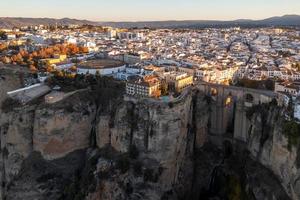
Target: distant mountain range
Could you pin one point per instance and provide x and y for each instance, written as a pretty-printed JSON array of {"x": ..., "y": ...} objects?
[
  {"x": 10, "y": 22},
  {"x": 286, "y": 20}
]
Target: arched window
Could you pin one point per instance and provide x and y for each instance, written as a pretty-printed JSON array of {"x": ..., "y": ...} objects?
[
  {"x": 229, "y": 100},
  {"x": 213, "y": 92}
]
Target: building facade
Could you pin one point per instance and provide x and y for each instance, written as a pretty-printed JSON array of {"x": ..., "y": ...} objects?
[{"x": 146, "y": 87}]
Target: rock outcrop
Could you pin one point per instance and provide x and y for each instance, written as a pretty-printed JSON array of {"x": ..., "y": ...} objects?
[
  {"x": 15, "y": 129},
  {"x": 161, "y": 134},
  {"x": 63, "y": 127},
  {"x": 95, "y": 144},
  {"x": 269, "y": 145},
  {"x": 153, "y": 144}
]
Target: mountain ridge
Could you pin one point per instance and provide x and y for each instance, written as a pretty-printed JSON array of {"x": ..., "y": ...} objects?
[
  {"x": 285, "y": 20},
  {"x": 10, "y": 22}
]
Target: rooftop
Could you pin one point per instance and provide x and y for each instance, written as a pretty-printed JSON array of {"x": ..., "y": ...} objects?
[{"x": 146, "y": 81}]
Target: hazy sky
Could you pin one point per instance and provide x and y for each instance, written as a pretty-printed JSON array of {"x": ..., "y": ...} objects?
[{"x": 137, "y": 10}]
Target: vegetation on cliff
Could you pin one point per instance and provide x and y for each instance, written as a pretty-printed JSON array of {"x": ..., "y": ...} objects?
[
  {"x": 104, "y": 89},
  {"x": 8, "y": 104},
  {"x": 261, "y": 109},
  {"x": 291, "y": 129},
  {"x": 68, "y": 82},
  {"x": 264, "y": 84}
]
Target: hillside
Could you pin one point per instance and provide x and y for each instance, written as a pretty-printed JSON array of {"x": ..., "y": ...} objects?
[
  {"x": 286, "y": 20},
  {"x": 8, "y": 22}
]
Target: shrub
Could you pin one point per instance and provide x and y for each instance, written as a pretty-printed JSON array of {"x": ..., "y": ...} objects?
[
  {"x": 129, "y": 189},
  {"x": 44, "y": 178},
  {"x": 8, "y": 105},
  {"x": 152, "y": 175},
  {"x": 260, "y": 108},
  {"x": 234, "y": 188},
  {"x": 137, "y": 168},
  {"x": 69, "y": 108},
  {"x": 123, "y": 164},
  {"x": 148, "y": 175},
  {"x": 263, "y": 84},
  {"x": 291, "y": 131},
  {"x": 133, "y": 152}
]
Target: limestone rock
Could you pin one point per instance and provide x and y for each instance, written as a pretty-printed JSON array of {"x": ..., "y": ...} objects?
[
  {"x": 63, "y": 127},
  {"x": 269, "y": 146}
]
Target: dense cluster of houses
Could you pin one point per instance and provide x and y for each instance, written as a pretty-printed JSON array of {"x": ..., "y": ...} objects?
[{"x": 149, "y": 59}]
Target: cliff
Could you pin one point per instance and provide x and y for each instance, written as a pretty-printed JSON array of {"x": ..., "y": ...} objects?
[
  {"x": 52, "y": 130},
  {"x": 95, "y": 144},
  {"x": 63, "y": 127},
  {"x": 119, "y": 148},
  {"x": 271, "y": 144},
  {"x": 159, "y": 138}
]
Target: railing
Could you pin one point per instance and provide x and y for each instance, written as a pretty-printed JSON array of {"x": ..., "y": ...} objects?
[
  {"x": 24, "y": 89},
  {"x": 182, "y": 96}
]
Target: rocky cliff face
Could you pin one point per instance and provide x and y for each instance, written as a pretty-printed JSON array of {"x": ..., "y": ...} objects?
[
  {"x": 63, "y": 127},
  {"x": 99, "y": 146},
  {"x": 14, "y": 129},
  {"x": 52, "y": 130},
  {"x": 270, "y": 146},
  {"x": 162, "y": 136},
  {"x": 132, "y": 149},
  {"x": 10, "y": 79},
  {"x": 16, "y": 142},
  {"x": 265, "y": 167}
]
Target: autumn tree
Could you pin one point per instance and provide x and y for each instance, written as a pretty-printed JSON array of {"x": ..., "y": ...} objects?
[
  {"x": 34, "y": 54},
  {"x": 6, "y": 60},
  {"x": 2, "y": 34},
  {"x": 17, "y": 58},
  {"x": 83, "y": 49},
  {"x": 49, "y": 68},
  {"x": 32, "y": 68},
  {"x": 73, "y": 69},
  {"x": 32, "y": 59},
  {"x": 72, "y": 49},
  {"x": 156, "y": 93},
  {"x": 3, "y": 46}
]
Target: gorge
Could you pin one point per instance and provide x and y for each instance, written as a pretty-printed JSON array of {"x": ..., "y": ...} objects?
[{"x": 211, "y": 142}]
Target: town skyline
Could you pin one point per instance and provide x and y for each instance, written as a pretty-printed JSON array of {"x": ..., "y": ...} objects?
[{"x": 134, "y": 10}]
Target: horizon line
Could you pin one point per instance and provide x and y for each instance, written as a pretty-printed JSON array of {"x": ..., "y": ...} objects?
[{"x": 153, "y": 20}]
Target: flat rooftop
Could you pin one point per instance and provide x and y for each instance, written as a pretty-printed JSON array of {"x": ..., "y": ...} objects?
[{"x": 100, "y": 64}]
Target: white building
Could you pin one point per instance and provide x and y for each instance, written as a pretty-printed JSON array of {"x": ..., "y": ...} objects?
[
  {"x": 288, "y": 88},
  {"x": 101, "y": 67}
]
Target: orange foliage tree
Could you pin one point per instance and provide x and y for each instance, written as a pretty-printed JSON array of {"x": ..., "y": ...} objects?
[
  {"x": 31, "y": 59},
  {"x": 3, "y": 46}
]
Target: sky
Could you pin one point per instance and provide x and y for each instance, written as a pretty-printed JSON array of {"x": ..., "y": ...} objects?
[{"x": 147, "y": 10}]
